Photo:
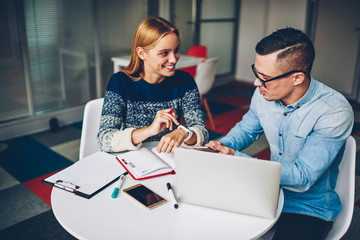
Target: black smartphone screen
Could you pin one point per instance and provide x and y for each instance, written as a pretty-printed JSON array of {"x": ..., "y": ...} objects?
[{"x": 144, "y": 195}]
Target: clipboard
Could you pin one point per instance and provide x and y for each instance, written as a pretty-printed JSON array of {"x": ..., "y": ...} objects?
[{"x": 88, "y": 176}]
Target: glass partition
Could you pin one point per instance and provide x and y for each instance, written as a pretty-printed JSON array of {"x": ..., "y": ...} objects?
[
  {"x": 60, "y": 45},
  {"x": 13, "y": 94}
]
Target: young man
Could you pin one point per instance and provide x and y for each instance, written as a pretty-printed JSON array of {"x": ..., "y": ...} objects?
[{"x": 306, "y": 124}]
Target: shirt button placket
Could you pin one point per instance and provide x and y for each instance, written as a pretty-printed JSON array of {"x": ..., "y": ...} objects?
[{"x": 280, "y": 139}]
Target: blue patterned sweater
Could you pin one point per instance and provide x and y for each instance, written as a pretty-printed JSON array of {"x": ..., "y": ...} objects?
[{"x": 130, "y": 105}]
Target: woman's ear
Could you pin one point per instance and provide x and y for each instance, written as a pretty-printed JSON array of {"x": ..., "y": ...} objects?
[
  {"x": 140, "y": 52},
  {"x": 299, "y": 78}
]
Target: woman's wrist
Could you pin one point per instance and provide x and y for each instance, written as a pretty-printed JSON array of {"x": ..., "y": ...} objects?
[
  {"x": 190, "y": 137},
  {"x": 188, "y": 131},
  {"x": 139, "y": 135}
]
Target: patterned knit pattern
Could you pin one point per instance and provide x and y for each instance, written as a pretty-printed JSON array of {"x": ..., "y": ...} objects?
[{"x": 134, "y": 104}]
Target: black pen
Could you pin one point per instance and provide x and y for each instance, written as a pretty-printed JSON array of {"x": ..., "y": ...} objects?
[{"x": 172, "y": 196}]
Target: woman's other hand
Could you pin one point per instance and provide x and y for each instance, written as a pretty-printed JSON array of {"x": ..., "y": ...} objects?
[{"x": 163, "y": 119}]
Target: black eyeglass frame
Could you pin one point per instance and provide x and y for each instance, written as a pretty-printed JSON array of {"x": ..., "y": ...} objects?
[{"x": 256, "y": 73}]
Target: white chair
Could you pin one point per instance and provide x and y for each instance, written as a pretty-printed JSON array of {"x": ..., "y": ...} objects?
[
  {"x": 205, "y": 77},
  {"x": 91, "y": 122},
  {"x": 345, "y": 187}
]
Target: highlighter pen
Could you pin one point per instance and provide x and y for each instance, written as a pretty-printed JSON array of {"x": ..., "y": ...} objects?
[
  {"x": 116, "y": 189},
  {"x": 172, "y": 196}
]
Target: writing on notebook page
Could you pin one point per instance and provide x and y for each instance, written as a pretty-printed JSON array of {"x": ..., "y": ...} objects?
[{"x": 144, "y": 163}]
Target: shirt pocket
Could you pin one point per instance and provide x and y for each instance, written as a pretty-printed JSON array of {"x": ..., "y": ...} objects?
[{"x": 295, "y": 145}]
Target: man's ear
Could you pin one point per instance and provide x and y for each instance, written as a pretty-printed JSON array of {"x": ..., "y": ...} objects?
[
  {"x": 299, "y": 78},
  {"x": 140, "y": 52}
]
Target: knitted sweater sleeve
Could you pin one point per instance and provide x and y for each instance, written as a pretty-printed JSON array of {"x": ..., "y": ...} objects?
[
  {"x": 112, "y": 136},
  {"x": 194, "y": 115}
]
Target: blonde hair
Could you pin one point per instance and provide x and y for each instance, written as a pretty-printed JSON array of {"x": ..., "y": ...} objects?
[{"x": 147, "y": 35}]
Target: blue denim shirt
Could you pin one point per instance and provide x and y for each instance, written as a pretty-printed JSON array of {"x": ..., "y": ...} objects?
[{"x": 308, "y": 139}]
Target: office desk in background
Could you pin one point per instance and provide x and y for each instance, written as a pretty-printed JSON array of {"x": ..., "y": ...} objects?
[
  {"x": 184, "y": 61},
  {"x": 102, "y": 217}
]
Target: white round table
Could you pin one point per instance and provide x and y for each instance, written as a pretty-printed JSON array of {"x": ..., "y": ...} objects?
[{"x": 102, "y": 217}]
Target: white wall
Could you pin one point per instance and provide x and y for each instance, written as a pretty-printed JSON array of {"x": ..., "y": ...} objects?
[
  {"x": 252, "y": 29},
  {"x": 336, "y": 44},
  {"x": 286, "y": 13},
  {"x": 259, "y": 18}
]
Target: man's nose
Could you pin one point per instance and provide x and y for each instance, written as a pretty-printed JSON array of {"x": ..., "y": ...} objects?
[{"x": 257, "y": 82}]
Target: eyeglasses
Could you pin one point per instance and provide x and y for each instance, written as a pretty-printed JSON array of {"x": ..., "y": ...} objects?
[{"x": 274, "y": 78}]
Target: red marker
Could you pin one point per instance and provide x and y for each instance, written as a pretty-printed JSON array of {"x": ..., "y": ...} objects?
[{"x": 171, "y": 110}]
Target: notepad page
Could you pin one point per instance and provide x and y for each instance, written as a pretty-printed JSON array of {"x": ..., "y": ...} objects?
[
  {"x": 168, "y": 158},
  {"x": 143, "y": 162}
]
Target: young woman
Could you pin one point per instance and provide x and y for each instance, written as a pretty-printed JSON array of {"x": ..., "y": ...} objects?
[{"x": 147, "y": 100}]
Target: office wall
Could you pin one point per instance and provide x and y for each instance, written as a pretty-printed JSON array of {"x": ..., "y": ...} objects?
[
  {"x": 252, "y": 27},
  {"x": 286, "y": 13},
  {"x": 337, "y": 44},
  {"x": 259, "y": 18}
]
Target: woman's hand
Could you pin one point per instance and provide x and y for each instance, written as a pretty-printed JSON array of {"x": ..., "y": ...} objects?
[
  {"x": 163, "y": 119},
  {"x": 216, "y": 145},
  {"x": 172, "y": 140}
]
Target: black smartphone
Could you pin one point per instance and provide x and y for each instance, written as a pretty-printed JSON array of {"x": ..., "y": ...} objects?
[
  {"x": 204, "y": 149},
  {"x": 145, "y": 196}
]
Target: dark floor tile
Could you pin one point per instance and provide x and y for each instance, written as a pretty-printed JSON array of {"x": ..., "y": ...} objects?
[
  {"x": 226, "y": 90},
  {"x": 27, "y": 159},
  {"x": 214, "y": 135},
  {"x": 242, "y": 85},
  {"x": 353, "y": 232},
  {"x": 218, "y": 108},
  {"x": 63, "y": 135},
  {"x": 77, "y": 125},
  {"x": 41, "y": 227},
  {"x": 236, "y": 101},
  {"x": 356, "y": 129},
  {"x": 357, "y": 165},
  {"x": 18, "y": 204}
]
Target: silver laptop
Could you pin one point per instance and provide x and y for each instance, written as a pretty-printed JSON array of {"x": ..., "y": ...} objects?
[{"x": 237, "y": 184}]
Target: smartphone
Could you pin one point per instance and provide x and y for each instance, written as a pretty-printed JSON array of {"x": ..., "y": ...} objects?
[
  {"x": 204, "y": 149},
  {"x": 145, "y": 196}
]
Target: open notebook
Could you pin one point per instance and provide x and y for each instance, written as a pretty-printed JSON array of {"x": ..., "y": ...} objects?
[{"x": 146, "y": 163}]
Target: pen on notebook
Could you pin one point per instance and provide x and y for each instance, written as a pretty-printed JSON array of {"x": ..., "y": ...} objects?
[
  {"x": 116, "y": 189},
  {"x": 172, "y": 196}
]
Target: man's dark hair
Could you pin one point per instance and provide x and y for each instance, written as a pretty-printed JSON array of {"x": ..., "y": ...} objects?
[{"x": 296, "y": 51}]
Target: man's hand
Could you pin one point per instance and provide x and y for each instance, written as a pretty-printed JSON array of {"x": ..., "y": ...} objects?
[{"x": 216, "y": 145}]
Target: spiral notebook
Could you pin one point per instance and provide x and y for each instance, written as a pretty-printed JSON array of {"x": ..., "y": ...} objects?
[{"x": 147, "y": 163}]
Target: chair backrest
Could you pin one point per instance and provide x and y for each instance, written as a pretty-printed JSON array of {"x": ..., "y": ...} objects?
[
  {"x": 197, "y": 51},
  {"x": 90, "y": 127},
  {"x": 205, "y": 75},
  {"x": 345, "y": 188}
]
